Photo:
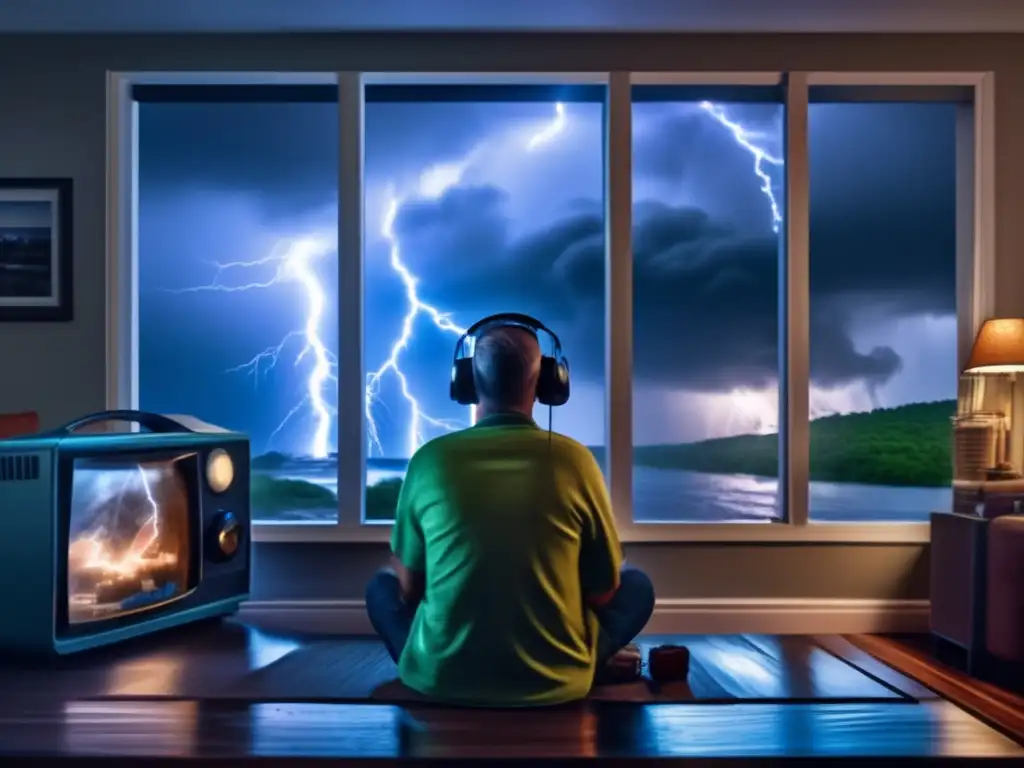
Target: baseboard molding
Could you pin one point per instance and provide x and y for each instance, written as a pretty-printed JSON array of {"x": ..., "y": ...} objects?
[{"x": 671, "y": 616}]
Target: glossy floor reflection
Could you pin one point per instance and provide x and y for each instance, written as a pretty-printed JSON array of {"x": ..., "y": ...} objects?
[
  {"x": 166, "y": 729},
  {"x": 750, "y": 696},
  {"x": 188, "y": 662}
]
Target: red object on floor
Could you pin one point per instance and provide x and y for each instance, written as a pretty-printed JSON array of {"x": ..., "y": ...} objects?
[
  {"x": 669, "y": 663},
  {"x": 16, "y": 424}
]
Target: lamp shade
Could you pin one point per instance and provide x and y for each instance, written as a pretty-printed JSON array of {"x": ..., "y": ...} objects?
[{"x": 999, "y": 347}]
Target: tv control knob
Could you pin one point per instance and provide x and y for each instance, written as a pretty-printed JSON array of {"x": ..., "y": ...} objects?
[{"x": 227, "y": 536}]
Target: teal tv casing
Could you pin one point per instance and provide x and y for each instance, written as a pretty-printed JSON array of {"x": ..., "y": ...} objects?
[{"x": 36, "y": 481}]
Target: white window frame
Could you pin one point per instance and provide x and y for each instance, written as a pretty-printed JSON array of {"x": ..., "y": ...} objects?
[{"x": 975, "y": 280}]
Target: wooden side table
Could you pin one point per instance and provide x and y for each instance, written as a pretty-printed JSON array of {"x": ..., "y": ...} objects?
[{"x": 959, "y": 547}]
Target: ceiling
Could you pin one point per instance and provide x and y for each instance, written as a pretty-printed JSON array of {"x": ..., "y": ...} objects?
[{"x": 83, "y": 16}]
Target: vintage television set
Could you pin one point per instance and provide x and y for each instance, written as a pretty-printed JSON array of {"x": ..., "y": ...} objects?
[{"x": 111, "y": 535}]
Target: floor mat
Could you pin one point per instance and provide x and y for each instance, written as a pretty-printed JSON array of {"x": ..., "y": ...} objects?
[{"x": 361, "y": 671}]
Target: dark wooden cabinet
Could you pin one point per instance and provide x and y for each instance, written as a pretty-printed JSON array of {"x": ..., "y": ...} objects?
[{"x": 959, "y": 554}]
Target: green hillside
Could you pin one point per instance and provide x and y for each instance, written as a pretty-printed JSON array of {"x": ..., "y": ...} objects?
[
  {"x": 910, "y": 445},
  {"x": 906, "y": 446}
]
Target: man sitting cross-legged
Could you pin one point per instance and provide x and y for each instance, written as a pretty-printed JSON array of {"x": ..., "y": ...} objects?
[{"x": 507, "y": 585}]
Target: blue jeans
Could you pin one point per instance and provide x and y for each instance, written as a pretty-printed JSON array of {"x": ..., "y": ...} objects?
[{"x": 620, "y": 620}]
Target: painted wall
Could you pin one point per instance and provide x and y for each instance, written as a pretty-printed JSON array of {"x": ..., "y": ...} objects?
[
  {"x": 52, "y": 123},
  {"x": 899, "y": 572}
]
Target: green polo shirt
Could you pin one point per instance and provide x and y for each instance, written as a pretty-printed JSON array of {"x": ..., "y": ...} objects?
[{"x": 513, "y": 529}]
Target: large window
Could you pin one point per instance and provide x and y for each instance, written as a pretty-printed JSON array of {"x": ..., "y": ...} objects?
[
  {"x": 707, "y": 210},
  {"x": 478, "y": 200},
  {"x": 765, "y": 287},
  {"x": 883, "y": 326},
  {"x": 237, "y": 279}
]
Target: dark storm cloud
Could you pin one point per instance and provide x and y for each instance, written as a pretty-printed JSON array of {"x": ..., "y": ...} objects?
[
  {"x": 285, "y": 155},
  {"x": 687, "y": 149},
  {"x": 461, "y": 241},
  {"x": 706, "y": 310},
  {"x": 706, "y": 290},
  {"x": 899, "y": 253},
  {"x": 705, "y": 297},
  {"x": 657, "y": 154},
  {"x": 468, "y": 221}
]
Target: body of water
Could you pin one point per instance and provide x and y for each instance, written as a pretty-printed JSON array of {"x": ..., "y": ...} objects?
[{"x": 671, "y": 495}]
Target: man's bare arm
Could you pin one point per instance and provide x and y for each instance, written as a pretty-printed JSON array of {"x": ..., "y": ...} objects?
[{"x": 411, "y": 582}]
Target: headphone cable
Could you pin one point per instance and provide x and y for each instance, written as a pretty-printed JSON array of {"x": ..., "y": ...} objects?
[{"x": 551, "y": 453}]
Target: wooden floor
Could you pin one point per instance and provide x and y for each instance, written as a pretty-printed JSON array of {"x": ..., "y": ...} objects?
[
  {"x": 750, "y": 697},
  {"x": 919, "y": 656}
]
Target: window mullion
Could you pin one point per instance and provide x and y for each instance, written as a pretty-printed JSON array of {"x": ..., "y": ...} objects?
[
  {"x": 794, "y": 311},
  {"x": 975, "y": 275},
  {"x": 122, "y": 350},
  {"x": 351, "y": 429},
  {"x": 619, "y": 295}
]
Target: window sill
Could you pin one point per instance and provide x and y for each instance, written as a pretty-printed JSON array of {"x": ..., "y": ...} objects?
[{"x": 653, "y": 533}]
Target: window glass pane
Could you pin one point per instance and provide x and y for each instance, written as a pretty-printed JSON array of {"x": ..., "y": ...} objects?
[
  {"x": 237, "y": 271},
  {"x": 883, "y": 309},
  {"x": 475, "y": 206},
  {"x": 707, "y": 196}
]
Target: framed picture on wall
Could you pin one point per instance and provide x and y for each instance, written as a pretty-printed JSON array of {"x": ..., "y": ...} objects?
[{"x": 35, "y": 250}]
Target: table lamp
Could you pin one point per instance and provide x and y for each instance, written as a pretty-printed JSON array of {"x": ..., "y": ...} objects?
[{"x": 999, "y": 348}]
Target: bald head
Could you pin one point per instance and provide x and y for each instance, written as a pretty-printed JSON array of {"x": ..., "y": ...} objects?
[{"x": 506, "y": 365}]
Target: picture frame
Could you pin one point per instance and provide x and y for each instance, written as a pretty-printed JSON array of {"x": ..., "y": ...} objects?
[{"x": 36, "y": 250}]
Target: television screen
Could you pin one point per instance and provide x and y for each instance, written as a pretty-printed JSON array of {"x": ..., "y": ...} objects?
[{"x": 129, "y": 538}]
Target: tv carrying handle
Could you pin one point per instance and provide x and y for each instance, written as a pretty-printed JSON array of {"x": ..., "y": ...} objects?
[{"x": 152, "y": 422}]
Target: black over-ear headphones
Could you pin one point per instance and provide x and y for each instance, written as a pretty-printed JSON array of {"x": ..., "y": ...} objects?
[{"x": 553, "y": 382}]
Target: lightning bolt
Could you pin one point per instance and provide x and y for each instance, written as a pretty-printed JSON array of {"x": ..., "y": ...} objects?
[
  {"x": 415, "y": 307},
  {"x": 293, "y": 259},
  {"x": 433, "y": 183},
  {"x": 93, "y": 552},
  {"x": 149, "y": 532},
  {"x": 746, "y": 139}
]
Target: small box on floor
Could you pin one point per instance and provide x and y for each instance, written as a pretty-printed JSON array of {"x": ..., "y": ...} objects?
[{"x": 669, "y": 663}]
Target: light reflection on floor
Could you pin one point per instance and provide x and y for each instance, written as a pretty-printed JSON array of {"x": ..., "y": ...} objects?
[
  {"x": 700, "y": 730},
  {"x": 152, "y": 675},
  {"x": 953, "y": 725},
  {"x": 741, "y": 666},
  {"x": 265, "y": 649},
  {"x": 442, "y": 732},
  {"x": 771, "y": 730},
  {"x": 151, "y": 728},
  {"x": 310, "y": 730},
  {"x": 165, "y": 728}
]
